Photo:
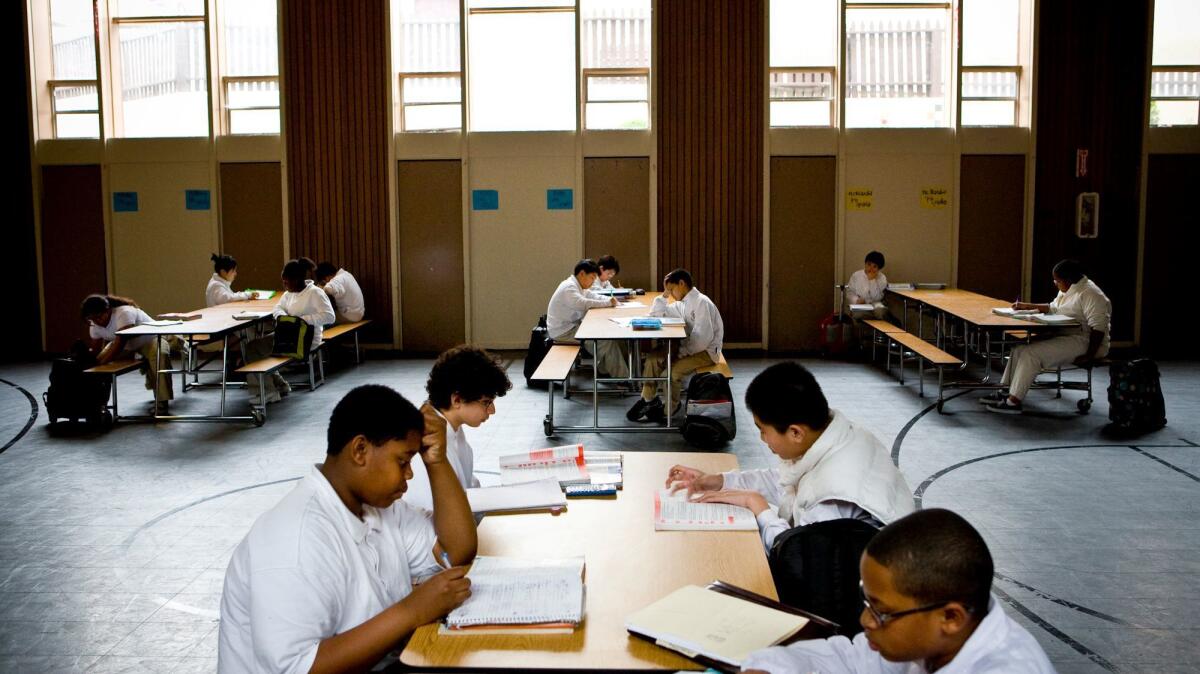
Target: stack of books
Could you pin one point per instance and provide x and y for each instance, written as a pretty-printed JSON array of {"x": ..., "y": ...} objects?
[{"x": 569, "y": 464}]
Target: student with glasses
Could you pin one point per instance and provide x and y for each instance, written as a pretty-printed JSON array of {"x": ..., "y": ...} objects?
[
  {"x": 927, "y": 607},
  {"x": 462, "y": 387}
]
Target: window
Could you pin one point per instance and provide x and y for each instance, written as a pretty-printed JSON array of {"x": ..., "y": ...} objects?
[
  {"x": 1175, "y": 66},
  {"x": 160, "y": 71},
  {"x": 522, "y": 60},
  {"x": 75, "y": 104},
  {"x": 430, "y": 70},
  {"x": 803, "y": 63},
  {"x": 615, "y": 47},
  {"x": 250, "y": 76},
  {"x": 991, "y": 71},
  {"x": 897, "y": 64}
]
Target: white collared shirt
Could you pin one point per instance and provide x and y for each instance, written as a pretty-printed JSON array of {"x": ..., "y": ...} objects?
[
  {"x": 310, "y": 304},
  {"x": 862, "y": 290},
  {"x": 568, "y": 305},
  {"x": 309, "y": 569},
  {"x": 997, "y": 646},
  {"x": 220, "y": 291},
  {"x": 706, "y": 330},
  {"x": 123, "y": 317},
  {"x": 602, "y": 285},
  {"x": 347, "y": 297},
  {"x": 1086, "y": 303},
  {"x": 461, "y": 458}
]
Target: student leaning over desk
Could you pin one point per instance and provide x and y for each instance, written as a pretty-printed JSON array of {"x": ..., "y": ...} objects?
[
  {"x": 342, "y": 570},
  {"x": 570, "y": 303},
  {"x": 106, "y": 316},
  {"x": 343, "y": 291},
  {"x": 1082, "y": 300},
  {"x": 829, "y": 467},
  {"x": 609, "y": 268}
]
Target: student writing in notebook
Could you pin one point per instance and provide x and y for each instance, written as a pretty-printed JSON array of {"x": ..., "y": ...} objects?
[
  {"x": 342, "y": 570},
  {"x": 927, "y": 607},
  {"x": 570, "y": 303},
  {"x": 220, "y": 286},
  {"x": 107, "y": 315},
  {"x": 829, "y": 467},
  {"x": 1079, "y": 298},
  {"x": 343, "y": 291},
  {"x": 867, "y": 286},
  {"x": 609, "y": 268},
  {"x": 463, "y": 386}
]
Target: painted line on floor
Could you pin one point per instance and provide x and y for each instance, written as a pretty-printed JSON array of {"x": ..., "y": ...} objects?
[
  {"x": 33, "y": 415},
  {"x": 1057, "y": 633},
  {"x": 1168, "y": 464}
]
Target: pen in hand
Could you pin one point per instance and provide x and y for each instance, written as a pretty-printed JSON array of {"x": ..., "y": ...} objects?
[{"x": 446, "y": 560}]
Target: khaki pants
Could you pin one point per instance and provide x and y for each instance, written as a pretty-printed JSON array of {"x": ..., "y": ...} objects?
[
  {"x": 256, "y": 349},
  {"x": 1028, "y": 360},
  {"x": 611, "y": 354},
  {"x": 150, "y": 368},
  {"x": 656, "y": 365}
]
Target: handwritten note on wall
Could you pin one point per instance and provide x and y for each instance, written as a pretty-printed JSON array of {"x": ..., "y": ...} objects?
[
  {"x": 935, "y": 197},
  {"x": 860, "y": 199}
]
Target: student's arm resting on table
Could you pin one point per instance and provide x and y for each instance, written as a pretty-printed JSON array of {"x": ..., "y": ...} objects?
[
  {"x": 836, "y": 654},
  {"x": 452, "y": 517},
  {"x": 692, "y": 479},
  {"x": 660, "y": 307},
  {"x": 1025, "y": 306}
]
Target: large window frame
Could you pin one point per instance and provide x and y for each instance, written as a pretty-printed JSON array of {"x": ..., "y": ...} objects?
[{"x": 116, "y": 83}]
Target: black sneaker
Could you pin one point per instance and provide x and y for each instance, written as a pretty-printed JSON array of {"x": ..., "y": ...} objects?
[
  {"x": 1006, "y": 406},
  {"x": 993, "y": 398},
  {"x": 656, "y": 412},
  {"x": 639, "y": 408}
]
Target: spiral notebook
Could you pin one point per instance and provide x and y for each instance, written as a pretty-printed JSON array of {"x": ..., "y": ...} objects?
[{"x": 520, "y": 596}]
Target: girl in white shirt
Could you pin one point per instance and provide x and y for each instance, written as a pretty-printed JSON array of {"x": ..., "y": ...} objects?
[
  {"x": 106, "y": 316},
  {"x": 463, "y": 386},
  {"x": 609, "y": 268},
  {"x": 867, "y": 286},
  {"x": 829, "y": 468},
  {"x": 220, "y": 286}
]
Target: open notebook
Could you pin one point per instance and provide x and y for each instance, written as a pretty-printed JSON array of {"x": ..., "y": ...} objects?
[
  {"x": 674, "y": 512},
  {"x": 520, "y": 596}
]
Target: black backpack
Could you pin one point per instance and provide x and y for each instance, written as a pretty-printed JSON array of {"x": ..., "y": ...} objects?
[
  {"x": 710, "y": 418},
  {"x": 293, "y": 338},
  {"x": 75, "y": 394},
  {"x": 815, "y": 568},
  {"x": 1135, "y": 399},
  {"x": 539, "y": 346}
]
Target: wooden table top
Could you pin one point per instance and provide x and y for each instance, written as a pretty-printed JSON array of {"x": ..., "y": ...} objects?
[
  {"x": 213, "y": 321},
  {"x": 596, "y": 325},
  {"x": 968, "y": 306},
  {"x": 628, "y": 566}
]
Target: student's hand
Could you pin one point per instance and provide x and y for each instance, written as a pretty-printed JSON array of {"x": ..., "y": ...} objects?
[
  {"x": 612, "y": 302},
  {"x": 438, "y": 596},
  {"x": 744, "y": 498},
  {"x": 253, "y": 296},
  {"x": 1022, "y": 306},
  {"x": 433, "y": 442},
  {"x": 684, "y": 477}
]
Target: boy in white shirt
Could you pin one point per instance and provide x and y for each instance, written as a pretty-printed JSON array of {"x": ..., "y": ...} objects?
[
  {"x": 463, "y": 386},
  {"x": 220, "y": 286},
  {"x": 303, "y": 299},
  {"x": 829, "y": 469},
  {"x": 1079, "y": 298},
  {"x": 867, "y": 286},
  {"x": 609, "y": 268},
  {"x": 570, "y": 303},
  {"x": 341, "y": 570},
  {"x": 705, "y": 334},
  {"x": 927, "y": 607},
  {"x": 106, "y": 316},
  {"x": 343, "y": 291}
]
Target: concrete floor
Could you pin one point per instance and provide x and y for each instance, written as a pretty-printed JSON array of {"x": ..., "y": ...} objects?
[{"x": 113, "y": 546}]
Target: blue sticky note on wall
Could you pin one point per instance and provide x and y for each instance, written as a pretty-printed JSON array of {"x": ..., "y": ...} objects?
[
  {"x": 560, "y": 200},
  {"x": 485, "y": 200},
  {"x": 125, "y": 202},
  {"x": 197, "y": 200}
]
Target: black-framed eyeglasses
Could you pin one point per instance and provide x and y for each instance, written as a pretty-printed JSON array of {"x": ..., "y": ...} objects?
[{"x": 882, "y": 619}]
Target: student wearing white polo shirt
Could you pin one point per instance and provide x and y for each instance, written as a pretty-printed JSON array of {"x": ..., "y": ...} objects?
[
  {"x": 342, "y": 570},
  {"x": 343, "y": 291},
  {"x": 220, "y": 286},
  {"x": 463, "y": 386},
  {"x": 609, "y": 268},
  {"x": 868, "y": 286}
]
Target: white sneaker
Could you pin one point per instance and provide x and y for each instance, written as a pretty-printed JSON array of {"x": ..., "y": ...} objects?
[
  {"x": 282, "y": 387},
  {"x": 272, "y": 397}
]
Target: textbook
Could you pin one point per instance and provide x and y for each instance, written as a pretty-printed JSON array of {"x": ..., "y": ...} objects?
[
  {"x": 569, "y": 464},
  {"x": 715, "y": 624},
  {"x": 616, "y": 292},
  {"x": 250, "y": 315},
  {"x": 179, "y": 317},
  {"x": 262, "y": 294},
  {"x": 511, "y": 595},
  {"x": 1053, "y": 319},
  {"x": 674, "y": 512},
  {"x": 1014, "y": 313},
  {"x": 931, "y": 286},
  {"x": 529, "y": 496},
  {"x": 901, "y": 286}
]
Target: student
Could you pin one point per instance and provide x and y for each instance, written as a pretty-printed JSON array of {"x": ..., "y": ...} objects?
[
  {"x": 341, "y": 570},
  {"x": 609, "y": 268},
  {"x": 829, "y": 467},
  {"x": 301, "y": 298},
  {"x": 867, "y": 286},
  {"x": 1079, "y": 298},
  {"x": 106, "y": 316},
  {"x": 463, "y": 386},
  {"x": 343, "y": 292},
  {"x": 568, "y": 305},
  {"x": 927, "y": 607},
  {"x": 310, "y": 268},
  {"x": 220, "y": 290},
  {"x": 702, "y": 347}
]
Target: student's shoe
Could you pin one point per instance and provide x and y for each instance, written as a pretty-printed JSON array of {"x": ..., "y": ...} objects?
[
  {"x": 272, "y": 397},
  {"x": 656, "y": 411},
  {"x": 639, "y": 408},
  {"x": 283, "y": 388},
  {"x": 1006, "y": 406},
  {"x": 160, "y": 408},
  {"x": 993, "y": 398}
]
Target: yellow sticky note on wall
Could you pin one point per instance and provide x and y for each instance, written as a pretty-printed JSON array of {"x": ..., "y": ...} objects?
[
  {"x": 935, "y": 197},
  {"x": 860, "y": 199}
]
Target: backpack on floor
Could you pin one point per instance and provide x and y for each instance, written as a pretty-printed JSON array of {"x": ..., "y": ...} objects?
[
  {"x": 835, "y": 332},
  {"x": 710, "y": 419},
  {"x": 75, "y": 394},
  {"x": 1135, "y": 399},
  {"x": 815, "y": 568},
  {"x": 539, "y": 346}
]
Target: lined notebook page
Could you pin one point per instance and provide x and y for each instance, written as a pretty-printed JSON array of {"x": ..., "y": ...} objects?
[{"x": 512, "y": 591}]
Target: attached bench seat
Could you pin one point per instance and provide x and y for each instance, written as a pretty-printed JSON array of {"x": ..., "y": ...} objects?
[
  {"x": 340, "y": 330},
  {"x": 922, "y": 351},
  {"x": 555, "y": 368},
  {"x": 114, "y": 369}
]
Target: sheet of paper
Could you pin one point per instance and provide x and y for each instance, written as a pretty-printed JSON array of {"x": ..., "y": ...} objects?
[
  {"x": 508, "y": 590},
  {"x": 544, "y": 493},
  {"x": 674, "y": 512}
]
